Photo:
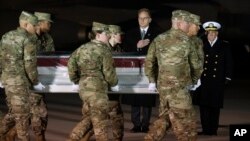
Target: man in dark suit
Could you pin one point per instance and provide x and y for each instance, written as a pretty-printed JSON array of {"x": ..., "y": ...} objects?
[
  {"x": 138, "y": 40},
  {"x": 217, "y": 72}
]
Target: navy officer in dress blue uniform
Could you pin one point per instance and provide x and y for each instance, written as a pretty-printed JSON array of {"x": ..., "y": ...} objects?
[{"x": 216, "y": 73}]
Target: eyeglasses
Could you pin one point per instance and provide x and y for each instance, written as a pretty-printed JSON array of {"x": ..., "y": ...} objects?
[{"x": 143, "y": 18}]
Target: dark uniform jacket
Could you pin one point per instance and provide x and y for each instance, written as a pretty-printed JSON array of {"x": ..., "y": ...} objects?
[
  {"x": 217, "y": 66},
  {"x": 129, "y": 45}
]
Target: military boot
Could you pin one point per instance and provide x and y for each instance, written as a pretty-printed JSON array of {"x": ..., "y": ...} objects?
[
  {"x": 40, "y": 137},
  {"x": 11, "y": 135}
]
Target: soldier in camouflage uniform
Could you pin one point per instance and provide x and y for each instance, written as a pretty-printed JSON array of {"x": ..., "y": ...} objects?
[
  {"x": 92, "y": 67},
  {"x": 116, "y": 38},
  {"x": 198, "y": 45},
  {"x": 44, "y": 38},
  {"x": 19, "y": 70},
  {"x": 178, "y": 68},
  {"x": 39, "y": 114},
  {"x": 194, "y": 39},
  {"x": 116, "y": 113}
]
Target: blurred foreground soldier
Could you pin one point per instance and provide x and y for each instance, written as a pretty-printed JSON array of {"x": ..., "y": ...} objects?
[
  {"x": 178, "y": 68},
  {"x": 19, "y": 70},
  {"x": 92, "y": 67},
  {"x": 115, "y": 110},
  {"x": 217, "y": 72},
  {"x": 44, "y": 38},
  {"x": 197, "y": 43}
]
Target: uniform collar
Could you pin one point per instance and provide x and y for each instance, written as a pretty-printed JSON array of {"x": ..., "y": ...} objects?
[{"x": 213, "y": 42}]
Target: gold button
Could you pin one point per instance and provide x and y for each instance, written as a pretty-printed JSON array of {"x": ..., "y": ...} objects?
[
  {"x": 215, "y": 62},
  {"x": 205, "y": 74},
  {"x": 205, "y": 68},
  {"x": 216, "y": 55},
  {"x": 215, "y": 69},
  {"x": 206, "y": 62},
  {"x": 214, "y": 75},
  {"x": 207, "y": 55}
]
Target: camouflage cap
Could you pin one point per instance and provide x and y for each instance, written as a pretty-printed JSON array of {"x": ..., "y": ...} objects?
[
  {"x": 181, "y": 15},
  {"x": 195, "y": 19},
  {"x": 115, "y": 29},
  {"x": 26, "y": 16},
  {"x": 100, "y": 26},
  {"x": 43, "y": 16}
]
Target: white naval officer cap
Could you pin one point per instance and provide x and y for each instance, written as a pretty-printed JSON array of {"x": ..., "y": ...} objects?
[{"x": 211, "y": 25}]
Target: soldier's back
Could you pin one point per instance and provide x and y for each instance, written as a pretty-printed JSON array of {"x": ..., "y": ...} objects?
[
  {"x": 172, "y": 51},
  {"x": 12, "y": 54}
]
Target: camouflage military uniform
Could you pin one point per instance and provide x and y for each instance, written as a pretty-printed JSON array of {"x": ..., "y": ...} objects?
[
  {"x": 18, "y": 54},
  {"x": 196, "y": 41},
  {"x": 39, "y": 113},
  {"x": 91, "y": 66},
  {"x": 178, "y": 68},
  {"x": 1, "y": 117},
  {"x": 46, "y": 43},
  {"x": 116, "y": 113},
  {"x": 198, "y": 44}
]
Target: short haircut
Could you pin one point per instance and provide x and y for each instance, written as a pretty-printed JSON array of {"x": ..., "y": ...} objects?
[{"x": 144, "y": 10}]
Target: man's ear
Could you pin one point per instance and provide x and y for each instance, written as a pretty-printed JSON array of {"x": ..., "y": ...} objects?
[{"x": 150, "y": 19}]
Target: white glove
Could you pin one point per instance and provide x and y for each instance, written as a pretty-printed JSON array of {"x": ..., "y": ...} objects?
[
  {"x": 115, "y": 88},
  {"x": 194, "y": 87},
  {"x": 1, "y": 85},
  {"x": 152, "y": 87},
  {"x": 39, "y": 87},
  {"x": 75, "y": 88}
]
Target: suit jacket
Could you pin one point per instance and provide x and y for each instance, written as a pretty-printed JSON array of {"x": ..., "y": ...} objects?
[
  {"x": 133, "y": 36},
  {"x": 217, "y": 66},
  {"x": 129, "y": 45}
]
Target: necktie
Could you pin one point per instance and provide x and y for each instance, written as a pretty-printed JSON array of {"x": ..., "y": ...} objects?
[{"x": 143, "y": 32}]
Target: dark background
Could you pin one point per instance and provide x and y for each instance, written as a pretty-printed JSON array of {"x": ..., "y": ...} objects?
[{"x": 73, "y": 19}]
